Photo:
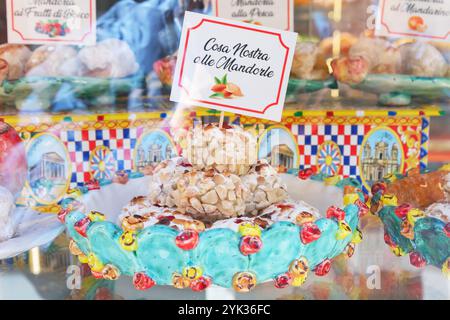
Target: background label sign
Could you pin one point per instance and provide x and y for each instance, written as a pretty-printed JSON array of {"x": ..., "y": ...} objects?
[
  {"x": 233, "y": 66},
  {"x": 57, "y": 21},
  {"x": 270, "y": 13},
  {"x": 414, "y": 18}
]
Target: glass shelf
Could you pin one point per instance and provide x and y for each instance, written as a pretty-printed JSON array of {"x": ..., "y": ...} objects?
[{"x": 372, "y": 273}]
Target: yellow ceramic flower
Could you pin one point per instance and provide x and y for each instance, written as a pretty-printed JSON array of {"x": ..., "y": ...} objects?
[
  {"x": 249, "y": 229},
  {"x": 83, "y": 258},
  {"x": 192, "y": 273},
  {"x": 344, "y": 230},
  {"x": 413, "y": 215},
  {"x": 389, "y": 200},
  {"x": 357, "y": 236},
  {"x": 94, "y": 263},
  {"x": 299, "y": 267},
  {"x": 297, "y": 281},
  {"x": 128, "y": 241},
  {"x": 96, "y": 216},
  {"x": 350, "y": 198},
  {"x": 398, "y": 251}
]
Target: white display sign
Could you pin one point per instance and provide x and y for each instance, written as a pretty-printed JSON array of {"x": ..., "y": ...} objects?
[
  {"x": 428, "y": 19},
  {"x": 233, "y": 66},
  {"x": 270, "y": 13},
  {"x": 51, "y": 21}
]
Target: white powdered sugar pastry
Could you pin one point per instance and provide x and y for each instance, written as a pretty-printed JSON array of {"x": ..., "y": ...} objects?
[
  {"x": 225, "y": 149},
  {"x": 6, "y": 210},
  {"x": 111, "y": 58},
  {"x": 265, "y": 187}
]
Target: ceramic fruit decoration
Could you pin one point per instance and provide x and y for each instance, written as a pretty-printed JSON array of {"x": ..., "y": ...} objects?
[{"x": 13, "y": 165}]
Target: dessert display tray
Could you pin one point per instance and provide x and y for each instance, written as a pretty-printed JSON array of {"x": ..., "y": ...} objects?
[{"x": 155, "y": 257}]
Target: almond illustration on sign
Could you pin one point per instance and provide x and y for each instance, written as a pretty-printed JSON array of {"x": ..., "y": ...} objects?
[
  {"x": 253, "y": 22},
  {"x": 224, "y": 89},
  {"x": 417, "y": 23}
]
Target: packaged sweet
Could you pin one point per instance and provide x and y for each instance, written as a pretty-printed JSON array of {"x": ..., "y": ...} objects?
[{"x": 15, "y": 56}]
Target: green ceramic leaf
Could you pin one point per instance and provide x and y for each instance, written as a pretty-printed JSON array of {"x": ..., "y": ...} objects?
[
  {"x": 217, "y": 95},
  {"x": 224, "y": 79}
]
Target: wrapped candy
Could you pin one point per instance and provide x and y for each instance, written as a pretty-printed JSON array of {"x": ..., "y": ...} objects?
[
  {"x": 265, "y": 187},
  {"x": 225, "y": 149}
]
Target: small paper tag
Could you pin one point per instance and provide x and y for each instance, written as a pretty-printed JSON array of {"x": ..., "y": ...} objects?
[
  {"x": 414, "y": 18},
  {"x": 233, "y": 66},
  {"x": 270, "y": 13},
  {"x": 51, "y": 21}
]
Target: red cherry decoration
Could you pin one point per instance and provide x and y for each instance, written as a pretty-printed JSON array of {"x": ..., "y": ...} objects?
[
  {"x": 323, "y": 268},
  {"x": 62, "y": 215},
  {"x": 447, "y": 229},
  {"x": 417, "y": 260},
  {"x": 82, "y": 225},
  {"x": 142, "y": 281},
  {"x": 335, "y": 212},
  {"x": 306, "y": 173},
  {"x": 379, "y": 187},
  {"x": 250, "y": 245},
  {"x": 388, "y": 240},
  {"x": 402, "y": 210},
  {"x": 187, "y": 239},
  {"x": 363, "y": 208},
  {"x": 200, "y": 284},
  {"x": 310, "y": 232},
  {"x": 283, "y": 281}
]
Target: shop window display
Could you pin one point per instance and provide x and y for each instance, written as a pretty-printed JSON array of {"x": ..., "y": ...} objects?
[{"x": 99, "y": 164}]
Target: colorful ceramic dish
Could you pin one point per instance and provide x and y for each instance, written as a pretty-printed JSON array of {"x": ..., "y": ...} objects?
[
  {"x": 414, "y": 216},
  {"x": 239, "y": 257}
]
